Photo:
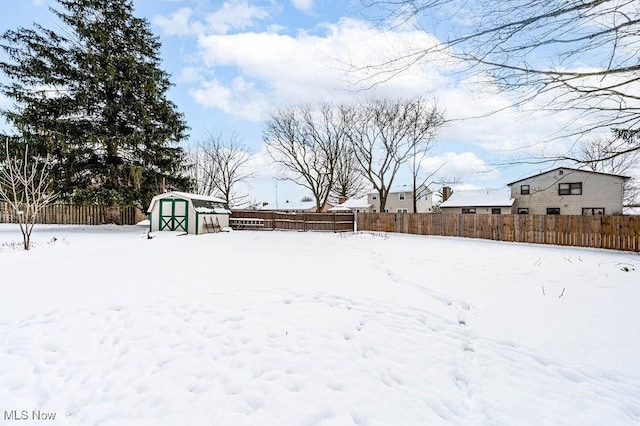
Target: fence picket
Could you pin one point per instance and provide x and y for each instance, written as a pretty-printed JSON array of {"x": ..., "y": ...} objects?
[
  {"x": 69, "y": 214},
  {"x": 610, "y": 232}
]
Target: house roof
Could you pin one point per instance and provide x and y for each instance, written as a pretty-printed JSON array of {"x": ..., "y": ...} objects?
[
  {"x": 479, "y": 198},
  {"x": 353, "y": 203},
  {"x": 631, "y": 210},
  {"x": 197, "y": 196},
  {"x": 571, "y": 169}
]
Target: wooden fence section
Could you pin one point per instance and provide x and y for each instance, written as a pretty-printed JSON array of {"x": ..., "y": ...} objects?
[
  {"x": 69, "y": 214},
  {"x": 610, "y": 232},
  {"x": 328, "y": 222}
]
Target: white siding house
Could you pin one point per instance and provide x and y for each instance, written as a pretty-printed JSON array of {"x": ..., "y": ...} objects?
[
  {"x": 569, "y": 191},
  {"x": 478, "y": 201},
  {"x": 400, "y": 200}
]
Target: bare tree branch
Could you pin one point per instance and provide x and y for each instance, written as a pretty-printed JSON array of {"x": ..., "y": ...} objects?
[
  {"x": 556, "y": 55},
  {"x": 307, "y": 143},
  {"x": 387, "y": 134},
  {"x": 219, "y": 164},
  {"x": 26, "y": 187}
]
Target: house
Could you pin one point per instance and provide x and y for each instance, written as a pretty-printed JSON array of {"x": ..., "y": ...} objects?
[
  {"x": 477, "y": 201},
  {"x": 191, "y": 213},
  {"x": 352, "y": 205},
  {"x": 569, "y": 191},
  {"x": 400, "y": 200},
  {"x": 295, "y": 207}
]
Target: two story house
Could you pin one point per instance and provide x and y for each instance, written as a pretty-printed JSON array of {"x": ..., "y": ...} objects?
[
  {"x": 400, "y": 200},
  {"x": 568, "y": 191}
]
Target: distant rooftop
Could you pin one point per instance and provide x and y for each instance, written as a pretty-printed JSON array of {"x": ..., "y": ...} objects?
[{"x": 480, "y": 198}]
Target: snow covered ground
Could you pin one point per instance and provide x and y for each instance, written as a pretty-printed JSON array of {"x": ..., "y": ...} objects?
[{"x": 101, "y": 325}]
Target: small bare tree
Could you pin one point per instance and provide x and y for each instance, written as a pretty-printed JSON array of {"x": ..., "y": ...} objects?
[
  {"x": 307, "y": 143},
  {"x": 219, "y": 164},
  {"x": 26, "y": 186},
  {"x": 387, "y": 134}
]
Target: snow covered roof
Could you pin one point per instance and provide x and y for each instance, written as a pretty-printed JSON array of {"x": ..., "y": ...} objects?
[
  {"x": 354, "y": 203},
  {"x": 633, "y": 210},
  {"x": 178, "y": 194},
  {"x": 197, "y": 196},
  {"x": 214, "y": 210},
  {"x": 479, "y": 198}
]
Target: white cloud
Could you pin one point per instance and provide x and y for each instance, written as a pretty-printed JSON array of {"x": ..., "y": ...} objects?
[
  {"x": 232, "y": 15},
  {"x": 308, "y": 67},
  {"x": 179, "y": 23},
  {"x": 235, "y": 14},
  {"x": 240, "y": 98},
  {"x": 39, "y": 2},
  {"x": 464, "y": 165},
  {"x": 254, "y": 72},
  {"x": 189, "y": 75},
  {"x": 303, "y": 5}
]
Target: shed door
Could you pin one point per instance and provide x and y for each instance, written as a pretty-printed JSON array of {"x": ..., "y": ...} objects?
[{"x": 173, "y": 215}]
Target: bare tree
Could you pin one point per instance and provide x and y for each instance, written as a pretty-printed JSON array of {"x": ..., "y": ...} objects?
[
  {"x": 349, "y": 181},
  {"x": 595, "y": 155},
  {"x": 387, "y": 134},
  {"x": 25, "y": 186},
  {"x": 307, "y": 144},
  {"x": 219, "y": 164},
  {"x": 424, "y": 123},
  {"x": 578, "y": 55}
]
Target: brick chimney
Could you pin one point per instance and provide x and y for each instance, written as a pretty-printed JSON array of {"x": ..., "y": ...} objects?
[{"x": 446, "y": 193}]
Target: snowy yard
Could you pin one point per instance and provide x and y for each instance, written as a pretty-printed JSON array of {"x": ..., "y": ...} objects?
[{"x": 104, "y": 326}]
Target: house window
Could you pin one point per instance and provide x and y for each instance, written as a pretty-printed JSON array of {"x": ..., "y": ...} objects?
[
  {"x": 592, "y": 211},
  {"x": 402, "y": 211},
  {"x": 553, "y": 210},
  {"x": 523, "y": 210},
  {"x": 401, "y": 196},
  {"x": 374, "y": 211},
  {"x": 386, "y": 210},
  {"x": 374, "y": 196},
  {"x": 468, "y": 211},
  {"x": 524, "y": 189},
  {"x": 496, "y": 211},
  {"x": 570, "y": 188}
]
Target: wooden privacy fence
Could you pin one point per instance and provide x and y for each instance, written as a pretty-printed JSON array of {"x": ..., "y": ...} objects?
[
  {"x": 70, "y": 214},
  {"x": 330, "y": 222},
  {"x": 610, "y": 232}
]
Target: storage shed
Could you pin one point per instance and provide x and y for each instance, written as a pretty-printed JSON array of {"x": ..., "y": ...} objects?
[{"x": 191, "y": 213}]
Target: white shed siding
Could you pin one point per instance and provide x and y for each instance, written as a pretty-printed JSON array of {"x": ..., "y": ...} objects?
[
  {"x": 598, "y": 191},
  {"x": 195, "y": 220},
  {"x": 223, "y": 221}
]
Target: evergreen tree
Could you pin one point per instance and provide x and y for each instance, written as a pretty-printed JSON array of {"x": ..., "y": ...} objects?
[{"x": 93, "y": 96}]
